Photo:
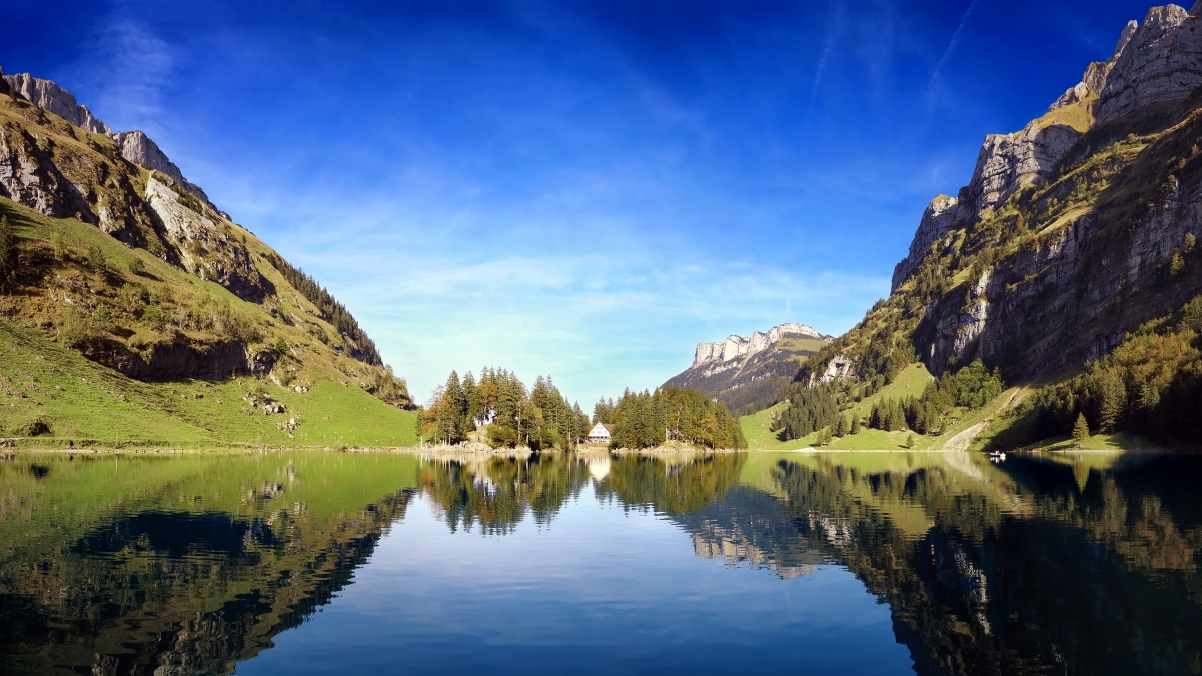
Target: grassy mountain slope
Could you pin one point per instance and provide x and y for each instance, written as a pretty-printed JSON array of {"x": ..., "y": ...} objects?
[{"x": 150, "y": 317}]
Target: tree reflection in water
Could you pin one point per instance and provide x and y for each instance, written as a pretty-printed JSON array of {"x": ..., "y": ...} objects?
[{"x": 1060, "y": 564}]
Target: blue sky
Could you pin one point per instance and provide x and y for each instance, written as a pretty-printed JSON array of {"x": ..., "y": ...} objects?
[{"x": 584, "y": 189}]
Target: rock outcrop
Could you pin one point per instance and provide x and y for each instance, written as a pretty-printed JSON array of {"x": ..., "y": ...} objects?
[
  {"x": 743, "y": 372},
  {"x": 1094, "y": 81},
  {"x": 1125, "y": 81},
  {"x": 1007, "y": 162},
  {"x": 53, "y": 98},
  {"x": 1108, "y": 245},
  {"x": 1162, "y": 63},
  {"x": 181, "y": 360},
  {"x": 736, "y": 347},
  {"x": 138, "y": 148},
  {"x": 206, "y": 246}
]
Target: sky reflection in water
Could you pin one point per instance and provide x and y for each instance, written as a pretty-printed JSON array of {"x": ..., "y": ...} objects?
[{"x": 315, "y": 563}]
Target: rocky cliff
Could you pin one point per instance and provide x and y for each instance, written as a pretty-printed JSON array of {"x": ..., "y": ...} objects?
[
  {"x": 50, "y": 97},
  {"x": 735, "y": 347},
  {"x": 1070, "y": 233},
  {"x": 750, "y": 371},
  {"x": 148, "y": 322}
]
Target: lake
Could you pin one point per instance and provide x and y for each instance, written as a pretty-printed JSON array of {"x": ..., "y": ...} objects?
[{"x": 819, "y": 563}]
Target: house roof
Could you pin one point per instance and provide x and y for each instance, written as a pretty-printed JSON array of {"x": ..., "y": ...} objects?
[{"x": 608, "y": 429}]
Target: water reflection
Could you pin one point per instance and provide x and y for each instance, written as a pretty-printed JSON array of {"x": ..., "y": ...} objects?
[
  {"x": 179, "y": 566},
  {"x": 1082, "y": 564}
]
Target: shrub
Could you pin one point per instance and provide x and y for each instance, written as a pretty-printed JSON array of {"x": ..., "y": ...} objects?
[
  {"x": 96, "y": 259},
  {"x": 59, "y": 245},
  {"x": 34, "y": 428},
  {"x": 136, "y": 266},
  {"x": 71, "y": 328},
  {"x": 154, "y": 317},
  {"x": 104, "y": 317}
]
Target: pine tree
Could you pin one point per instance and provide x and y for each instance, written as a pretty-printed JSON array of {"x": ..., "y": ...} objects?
[
  {"x": 844, "y": 427},
  {"x": 1080, "y": 431},
  {"x": 910, "y": 440},
  {"x": 855, "y": 424}
]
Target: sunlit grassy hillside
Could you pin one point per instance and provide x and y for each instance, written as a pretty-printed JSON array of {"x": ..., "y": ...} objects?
[{"x": 79, "y": 291}]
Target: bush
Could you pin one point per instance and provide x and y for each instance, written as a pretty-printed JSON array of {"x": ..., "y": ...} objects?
[
  {"x": 96, "y": 260},
  {"x": 154, "y": 317},
  {"x": 136, "y": 266},
  {"x": 59, "y": 245},
  {"x": 71, "y": 328},
  {"x": 34, "y": 428}
]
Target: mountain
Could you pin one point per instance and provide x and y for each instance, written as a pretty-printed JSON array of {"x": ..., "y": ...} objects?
[
  {"x": 1071, "y": 236},
  {"x": 114, "y": 256},
  {"x": 750, "y": 373}
]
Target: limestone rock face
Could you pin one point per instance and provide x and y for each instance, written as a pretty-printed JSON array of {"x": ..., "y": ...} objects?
[
  {"x": 1094, "y": 81},
  {"x": 135, "y": 146},
  {"x": 1161, "y": 62},
  {"x": 1008, "y": 162},
  {"x": 837, "y": 369},
  {"x": 941, "y": 217},
  {"x": 206, "y": 247},
  {"x": 138, "y": 148},
  {"x": 50, "y": 97},
  {"x": 735, "y": 347}
]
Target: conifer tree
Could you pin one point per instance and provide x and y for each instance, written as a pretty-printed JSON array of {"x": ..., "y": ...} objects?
[
  {"x": 1080, "y": 431},
  {"x": 844, "y": 427},
  {"x": 855, "y": 424}
]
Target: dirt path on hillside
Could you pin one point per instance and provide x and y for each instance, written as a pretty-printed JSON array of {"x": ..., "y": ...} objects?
[{"x": 961, "y": 441}]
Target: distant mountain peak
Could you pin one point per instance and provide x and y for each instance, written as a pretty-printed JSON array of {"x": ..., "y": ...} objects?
[{"x": 735, "y": 347}]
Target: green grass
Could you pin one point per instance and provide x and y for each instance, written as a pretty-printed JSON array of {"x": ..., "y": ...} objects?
[
  {"x": 86, "y": 404},
  {"x": 910, "y": 382},
  {"x": 806, "y": 346},
  {"x": 759, "y": 437}
]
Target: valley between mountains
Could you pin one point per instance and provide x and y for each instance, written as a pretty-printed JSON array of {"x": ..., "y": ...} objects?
[{"x": 1054, "y": 301}]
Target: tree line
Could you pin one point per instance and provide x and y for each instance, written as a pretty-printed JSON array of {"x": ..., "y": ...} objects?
[
  {"x": 331, "y": 310},
  {"x": 1151, "y": 385},
  {"x": 501, "y": 405},
  {"x": 649, "y": 419}
]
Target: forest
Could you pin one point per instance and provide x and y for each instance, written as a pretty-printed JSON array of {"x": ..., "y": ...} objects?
[
  {"x": 646, "y": 419},
  {"x": 508, "y": 415},
  {"x": 821, "y": 408},
  {"x": 332, "y": 311},
  {"x": 501, "y": 405},
  {"x": 1150, "y": 385}
]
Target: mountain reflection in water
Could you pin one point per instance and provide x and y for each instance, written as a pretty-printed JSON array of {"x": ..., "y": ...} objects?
[{"x": 190, "y": 564}]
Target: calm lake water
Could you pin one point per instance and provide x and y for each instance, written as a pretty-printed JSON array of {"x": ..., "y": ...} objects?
[{"x": 348, "y": 563}]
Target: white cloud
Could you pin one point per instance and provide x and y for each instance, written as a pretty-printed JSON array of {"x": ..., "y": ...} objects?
[{"x": 125, "y": 67}]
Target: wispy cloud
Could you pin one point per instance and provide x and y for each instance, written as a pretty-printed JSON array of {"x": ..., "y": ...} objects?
[
  {"x": 127, "y": 66},
  {"x": 957, "y": 37},
  {"x": 834, "y": 25}
]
